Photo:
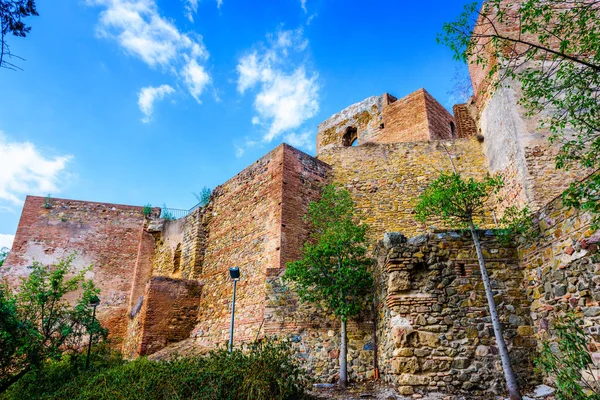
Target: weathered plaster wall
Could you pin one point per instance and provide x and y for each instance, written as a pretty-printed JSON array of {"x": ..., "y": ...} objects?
[
  {"x": 110, "y": 237},
  {"x": 516, "y": 148},
  {"x": 385, "y": 180},
  {"x": 434, "y": 332}
]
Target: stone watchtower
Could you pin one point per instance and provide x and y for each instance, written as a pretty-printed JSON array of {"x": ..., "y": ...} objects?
[{"x": 385, "y": 119}]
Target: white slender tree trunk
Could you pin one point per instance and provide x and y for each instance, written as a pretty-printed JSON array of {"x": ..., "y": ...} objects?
[
  {"x": 343, "y": 356},
  {"x": 511, "y": 381}
]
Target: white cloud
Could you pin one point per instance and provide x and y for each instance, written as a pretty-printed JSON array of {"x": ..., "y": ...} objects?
[
  {"x": 6, "y": 240},
  {"x": 303, "y": 5},
  {"x": 195, "y": 78},
  {"x": 287, "y": 95},
  {"x": 26, "y": 171},
  {"x": 304, "y": 140},
  {"x": 148, "y": 96},
  {"x": 140, "y": 30},
  {"x": 219, "y": 3},
  {"x": 191, "y": 8}
]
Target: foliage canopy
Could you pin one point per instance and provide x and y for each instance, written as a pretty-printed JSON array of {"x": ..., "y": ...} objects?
[
  {"x": 553, "y": 51},
  {"x": 37, "y": 322},
  {"x": 333, "y": 267}
]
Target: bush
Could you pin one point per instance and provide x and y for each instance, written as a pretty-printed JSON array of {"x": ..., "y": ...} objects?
[
  {"x": 267, "y": 370},
  {"x": 569, "y": 362}
]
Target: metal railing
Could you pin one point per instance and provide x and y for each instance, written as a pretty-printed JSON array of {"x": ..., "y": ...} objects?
[{"x": 177, "y": 213}]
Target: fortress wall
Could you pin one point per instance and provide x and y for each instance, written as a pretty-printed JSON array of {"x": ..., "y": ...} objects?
[
  {"x": 110, "y": 237},
  {"x": 561, "y": 270},
  {"x": 385, "y": 180},
  {"x": 434, "y": 331},
  {"x": 244, "y": 228}
]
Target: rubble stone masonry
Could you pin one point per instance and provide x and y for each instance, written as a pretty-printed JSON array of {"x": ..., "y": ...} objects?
[{"x": 434, "y": 330}]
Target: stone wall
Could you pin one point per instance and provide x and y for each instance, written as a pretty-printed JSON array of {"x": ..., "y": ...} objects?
[
  {"x": 385, "y": 180},
  {"x": 434, "y": 332},
  {"x": 561, "y": 268},
  {"x": 110, "y": 237}
]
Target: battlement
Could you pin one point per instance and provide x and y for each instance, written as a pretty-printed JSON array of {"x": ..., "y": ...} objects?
[{"x": 385, "y": 119}]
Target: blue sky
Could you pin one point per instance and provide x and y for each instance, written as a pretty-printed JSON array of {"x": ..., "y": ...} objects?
[{"x": 147, "y": 101}]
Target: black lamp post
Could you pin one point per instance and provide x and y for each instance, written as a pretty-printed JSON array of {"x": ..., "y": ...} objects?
[
  {"x": 94, "y": 301},
  {"x": 234, "y": 273}
]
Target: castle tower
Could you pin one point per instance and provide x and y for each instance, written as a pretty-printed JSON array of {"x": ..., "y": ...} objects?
[{"x": 385, "y": 119}]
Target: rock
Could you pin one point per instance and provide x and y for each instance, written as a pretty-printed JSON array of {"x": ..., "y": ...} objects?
[
  {"x": 323, "y": 385},
  {"x": 591, "y": 311},
  {"x": 542, "y": 391},
  {"x": 399, "y": 281},
  {"x": 393, "y": 239},
  {"x": 525, "y": 330},
  {"x": 560, "y": 290}
]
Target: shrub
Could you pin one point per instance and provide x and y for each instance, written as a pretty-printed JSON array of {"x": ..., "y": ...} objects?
[
  {"x": 569, "y": 362},
  {"x": 266, "y": 370}
]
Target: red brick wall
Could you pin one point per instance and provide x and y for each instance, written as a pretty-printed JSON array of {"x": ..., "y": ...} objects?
[
  {"x": 465, "y": 125},
  {"x": 107, "y": 236},
  {"x": 169, "y": 312},
  {"x": 416, "y": 117},
  {"x": 438, "y": 117},
  {"x": 243, "y": 230},
  {"x": 405, "y": 120}
]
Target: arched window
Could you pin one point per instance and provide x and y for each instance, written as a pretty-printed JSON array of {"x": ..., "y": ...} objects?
[
  {"x": 452, "y": 129},
  {"x": 350, "y": 137}
]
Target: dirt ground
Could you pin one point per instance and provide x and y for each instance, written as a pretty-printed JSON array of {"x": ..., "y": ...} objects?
[{"x": 378, "y": 391}]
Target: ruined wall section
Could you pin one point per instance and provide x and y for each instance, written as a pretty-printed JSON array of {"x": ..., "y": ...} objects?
[
  {"x": 385, "y": 180},
  {"x": 363, "y": 118},
  {"x": 110, "y": 237},
  {"x": 561, "y": 269},
  {"x": 434, "y": 331}
]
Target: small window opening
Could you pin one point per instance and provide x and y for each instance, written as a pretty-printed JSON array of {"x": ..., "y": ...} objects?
[
  {"x": 452, "y": 129},
  {"x": 350, "y": 137},
  {"x": 461, "y": 270},
  {"x": 381, "y": 126}
]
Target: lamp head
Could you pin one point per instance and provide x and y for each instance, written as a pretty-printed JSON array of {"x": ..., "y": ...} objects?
[
  {"x": 94, "y": 301},
  {"x": 234, "y": 273}
]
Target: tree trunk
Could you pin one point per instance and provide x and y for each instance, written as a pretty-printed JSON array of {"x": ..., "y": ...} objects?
[
  {"x": 343, "y": 359},
  {"x": 511, "y": 381}
]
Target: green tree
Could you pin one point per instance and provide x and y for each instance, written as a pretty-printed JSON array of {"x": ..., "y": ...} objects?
[
  {"x": 552, "y": 49},
  {"x": 333, "y": 270},
  {"x": 567, "y": 359},
  {"x": 459, "y": 202},
  {"x": 204, "y": 196},
  {"x": 37, "y": 323},
  {"x": 12, "y": 13},
  {"x": 3, "y": 255}
]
